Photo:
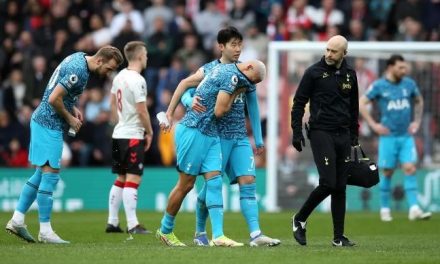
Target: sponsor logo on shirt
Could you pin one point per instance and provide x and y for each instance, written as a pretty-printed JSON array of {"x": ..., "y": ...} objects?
[{"x": 398, "y": 104}]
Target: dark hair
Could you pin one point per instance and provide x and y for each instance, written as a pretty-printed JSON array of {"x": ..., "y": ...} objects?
[
  {"x": 394, "y": 58},
  {"x": 226, "y": 34},
  {"x": 131, "y": 48}
]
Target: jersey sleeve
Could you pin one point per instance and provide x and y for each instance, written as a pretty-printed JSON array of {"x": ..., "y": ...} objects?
[
  {"x": 254, "y": 117},
  {"x": 415, "y": 89},
  {"x": 301, "y": 98},
  {"x": 229, "y": 82},
  {"x": 140, "y": 91},
  {"x": 114, "y": 88},
  {"x": 73, "y": 78},
  {"x": 373, "y": 92}
]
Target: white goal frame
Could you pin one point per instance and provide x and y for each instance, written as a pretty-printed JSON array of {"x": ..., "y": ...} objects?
[{"x": 354, "y": 48}]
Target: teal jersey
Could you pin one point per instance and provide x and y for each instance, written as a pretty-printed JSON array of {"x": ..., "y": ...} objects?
[
  {"x": 72, "y": 74},
  {"x": 210, "y": 65},
  {"x": 395, "y": 102},
  {"x": 223, "y": 77},
  {"x": 233, "y": 124},
  {"x": 188, "y": 96}
]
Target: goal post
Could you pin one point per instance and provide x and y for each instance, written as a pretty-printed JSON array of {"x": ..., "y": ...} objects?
[{"x": 277, "y": 53}]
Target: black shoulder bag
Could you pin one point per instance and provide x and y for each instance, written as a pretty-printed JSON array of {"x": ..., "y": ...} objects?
[{"x": 362, "y": 171}]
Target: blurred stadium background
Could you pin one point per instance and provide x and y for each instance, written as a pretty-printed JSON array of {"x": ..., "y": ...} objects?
[{"x": 35, "y": 35}]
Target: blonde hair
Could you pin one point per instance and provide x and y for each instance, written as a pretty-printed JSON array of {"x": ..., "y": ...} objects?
[
  {"x": 133, "y": 47},
  {"x": 109, "y": 52}
]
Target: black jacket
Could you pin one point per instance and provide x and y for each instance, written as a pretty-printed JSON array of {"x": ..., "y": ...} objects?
[{"x": 333, "y": 95}]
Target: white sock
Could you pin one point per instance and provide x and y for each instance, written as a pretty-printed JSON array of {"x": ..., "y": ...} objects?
[
  {"x": 18, "y": 217},
  {"x": 255, "y": 233},
  {"x": 114, "y": 202},
  {"x": 129, "y": 197},
  {"x": 45, "y": 228}
]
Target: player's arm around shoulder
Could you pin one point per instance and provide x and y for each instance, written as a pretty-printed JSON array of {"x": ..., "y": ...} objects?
[
  {"x": 191, "y": 81},
  {"x": 223, "y": 103},
  {"x": 227, "y": 93}
]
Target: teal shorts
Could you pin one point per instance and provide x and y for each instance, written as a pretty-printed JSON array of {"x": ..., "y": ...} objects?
[
  {"x": 46, "y": 146},
  {"x": 393, "y": 149},
  {"x": 196, "y": 153},
  {"x": 238, "y": 158}
]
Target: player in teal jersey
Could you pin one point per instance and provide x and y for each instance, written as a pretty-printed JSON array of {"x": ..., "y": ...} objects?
[
  {"x": 55, "y": 114},
  {"x": 198, "y": 145},
  {"x": 238, "y": 158},
  {"x": 401, "y": 109}
]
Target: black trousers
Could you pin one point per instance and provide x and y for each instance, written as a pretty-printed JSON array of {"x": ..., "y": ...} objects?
[{"x": 330, "y": 150}]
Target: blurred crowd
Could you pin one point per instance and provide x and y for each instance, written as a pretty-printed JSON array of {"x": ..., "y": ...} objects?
[{"x": 35, "y": 35}]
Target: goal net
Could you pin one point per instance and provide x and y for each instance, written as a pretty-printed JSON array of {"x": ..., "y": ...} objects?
[{"x": 291, "y": 177}]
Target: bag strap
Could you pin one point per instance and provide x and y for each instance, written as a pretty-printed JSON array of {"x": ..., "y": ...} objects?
[
  {"x": 356, "y": 155},
  {"x": 362, "y": 151}
]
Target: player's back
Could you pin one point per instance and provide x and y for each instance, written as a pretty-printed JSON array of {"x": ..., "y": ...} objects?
[
  {"x": 219, "y": 78},
  {"x": 233, "y": 124},
  {"x": 130, "y": 88},
  {"x": 72, "y": 74}
]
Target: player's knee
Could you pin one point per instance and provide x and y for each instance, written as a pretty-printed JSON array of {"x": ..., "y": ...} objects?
[
  {"x": 215, "y": 184},
  {"x": 409, "y": 170},
  {"x": 246, "y": 179},
  {"x": 121, "y": 178},
  {"x": 186, "y": 186},
  {"x": 49, "y": 181},
  {"x": 133, "y": 178},
  {"x": 53, "y": 178},
  {"x": 388, "y": 173}
]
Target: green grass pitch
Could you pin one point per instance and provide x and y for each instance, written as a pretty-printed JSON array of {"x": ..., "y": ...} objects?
[{"x": 400, "y": 241}]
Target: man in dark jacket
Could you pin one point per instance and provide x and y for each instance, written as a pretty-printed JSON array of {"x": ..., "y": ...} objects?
[{"x": 331, "y": 87}]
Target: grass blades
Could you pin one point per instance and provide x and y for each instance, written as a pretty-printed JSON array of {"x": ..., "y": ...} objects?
[{"x": 400, "y": 241}]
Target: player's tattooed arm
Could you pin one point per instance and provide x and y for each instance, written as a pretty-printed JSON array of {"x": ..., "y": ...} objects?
[
  {"x": 418, "y": 113},
  {"x": 418, "y": 108}
]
